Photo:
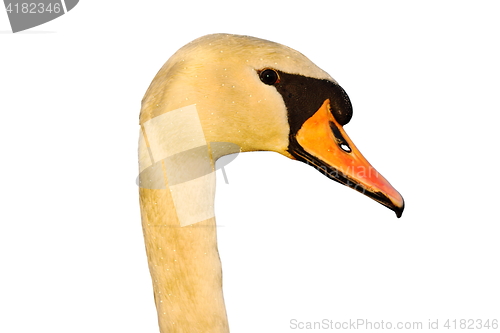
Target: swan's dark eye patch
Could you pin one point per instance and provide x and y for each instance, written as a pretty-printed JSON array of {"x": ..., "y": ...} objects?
[{"x": 269, "y": 76}]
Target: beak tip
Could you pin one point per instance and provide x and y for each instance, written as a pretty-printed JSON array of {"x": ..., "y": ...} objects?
[{"x": 399, "y": 209}]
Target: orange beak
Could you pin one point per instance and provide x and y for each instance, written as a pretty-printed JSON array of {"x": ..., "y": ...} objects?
[{"x": 325, "y": 145}]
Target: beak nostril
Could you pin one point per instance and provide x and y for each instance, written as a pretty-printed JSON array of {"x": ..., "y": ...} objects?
[
  {"x": 341, "y": 142},
  {"x": 345, "y": 147}
]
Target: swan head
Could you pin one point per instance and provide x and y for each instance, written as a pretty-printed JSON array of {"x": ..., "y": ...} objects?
[{"x": 259, "y": 95}]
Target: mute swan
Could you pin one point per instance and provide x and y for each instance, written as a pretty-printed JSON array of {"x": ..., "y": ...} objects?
[{"x": 218, "y": 95}]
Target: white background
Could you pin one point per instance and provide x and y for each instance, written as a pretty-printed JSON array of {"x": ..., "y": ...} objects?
[{"x": 424, "y": 81}]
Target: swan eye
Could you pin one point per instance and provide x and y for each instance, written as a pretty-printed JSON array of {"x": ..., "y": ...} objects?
[{"x": 269, "y": 76}]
